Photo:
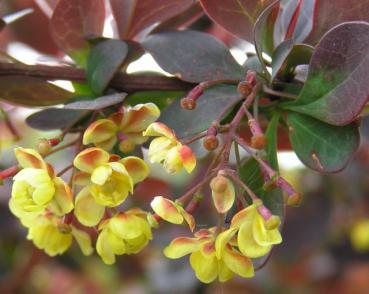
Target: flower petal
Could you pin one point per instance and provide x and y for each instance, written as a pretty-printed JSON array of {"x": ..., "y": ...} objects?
[
  {"x": 139, "y": 117},
  {"x": 173, "y": 162},
  {"x": 223, "y": 201},
  {"x": 225, "y": 274},
  {"x": 99, "y": 131},
  {"x": 90, "y": 158},
  {"x": 103, "y": 248},
  {"x": 82, "y": 179},
  {"x": 101, "y": 174},
  {"x": 136, "y": 167},
  {"x": 239, "y": 264},
  {"x": 245, "y": 215},
  {"x": 167, "y": 210},
  {"x": 62, "y": 202},
  {"x": 222, "y": 241},
  {"x": 158, "y": 149},
  {"x": 190, "y": 220},
  {"x": 187, "y": 157},
  {"x": 125, "y": 226},
  {"x": 180, "y": 247},
  {"x": 84, "y": 241},
  {"x": 247, "y": 243},
  {"x": 29, "y": 158},
  {"x": 158, "y": 129},
  {"x": 263, "y": 236},
  {"x": 206, "y": 269},
  {"x": 87, "y": 211}
]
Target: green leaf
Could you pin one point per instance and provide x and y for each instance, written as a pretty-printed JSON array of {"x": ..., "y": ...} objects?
[
  {"x": 55, "y": 118},
  {"x": 251, "y": 175},
  {"x": 263, "y": 33},
  {"x": 193, "y": 56},
  {"x": 98, "y": 103},
  {"x": 279, "y": 57},
  {"x": 103, "y": 62},
  {"x": 253, "y": 63},
  {"x": 337, "y": 86},
  {"x": 161, "y": 99},
  {"x": 271, "y": 134},
  {"x": 320, "y": 146},
  {"x": 30, "y": 91},
  {"x": 211, "y": 104}
]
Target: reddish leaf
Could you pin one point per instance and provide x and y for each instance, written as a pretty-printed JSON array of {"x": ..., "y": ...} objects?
[
  {"x": 331, "y": 13},
  {"x": 31, "y": 91},
  {"x": 73, "y": 21},
  {"x": 236, "y": 16},
  {"x": 337, "y": 86},
  {"x": 133, "y": 16}
]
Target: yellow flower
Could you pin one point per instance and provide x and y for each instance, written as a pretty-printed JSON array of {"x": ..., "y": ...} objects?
[
  {"x": 36, "y": 188},
  {"x": 254, "y": 239},
  {"x": 127, "y": 125},
  {"x": 172, "y": 212},
  {"x": 168, "y": 150},
  {"x": 359, "y": 236},
  {"x": 109, "y": 182},
  {"x": 125, "y": 233},
  {"x": 208, "y": 260},
  {"x": 223, "y": 193},
  {"x": 51, "y": 235}
]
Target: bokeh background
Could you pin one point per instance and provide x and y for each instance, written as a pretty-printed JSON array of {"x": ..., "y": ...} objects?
[{"x": 326, "y": 240}]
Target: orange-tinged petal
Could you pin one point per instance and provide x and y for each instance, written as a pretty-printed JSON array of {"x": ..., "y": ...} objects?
[
  {"x": 173, "y": 162},
  {"x": 108, "y": 144},
  {"x": 87, "y": 211},
  {"x": 247, "y": 243},
  {"x": 62, "y": 202},
  {"x": 136, "y": 138},
  {"x": 90, "y": 158},
  {"x": 99, "y": 131},
  {"x": 245, "y": 215},
  {"x": 263, "y": 236},
  {"x": 222, "y": 241},
  {"x": 159, "y": 129},
  {"x": 206, "y": 269},
  {"x": 239, "y": 264},
  {"x": 82, "y": 179},
  {"x": 136, "y": 167},
  {"x": 116, "y": 118},
  {"x": 223, "y": 201},
  {"x": 29, "y": 158},
  {"x": 125, "y": 226},
  {"x": 139, "y": 117},
  {"x": 188, "y": 158},
  {"x": 180, "y": 247},
  {"x": 190, "y": 220},
  {"x": 208, "y": 248},
  {"x": 167, "y": 210}
]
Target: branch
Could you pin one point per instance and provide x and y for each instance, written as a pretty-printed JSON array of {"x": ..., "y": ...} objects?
[{"x": 123, "y": 82}]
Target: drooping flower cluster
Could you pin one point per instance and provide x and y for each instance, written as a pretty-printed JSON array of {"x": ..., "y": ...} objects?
[{"x": 41, "y": 201}]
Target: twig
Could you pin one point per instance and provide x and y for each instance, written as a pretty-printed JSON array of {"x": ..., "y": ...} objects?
[{"x": 279, "y": 93}]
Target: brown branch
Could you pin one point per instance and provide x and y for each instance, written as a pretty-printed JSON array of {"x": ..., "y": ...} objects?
[{"x": 121, "y": 81}]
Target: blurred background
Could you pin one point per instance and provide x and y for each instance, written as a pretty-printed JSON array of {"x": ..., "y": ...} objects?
[{"x": 326, "y": 240}]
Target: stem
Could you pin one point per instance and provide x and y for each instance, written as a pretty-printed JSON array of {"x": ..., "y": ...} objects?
[
  {"x": 183, "y": 199},
  {"x": 243, "y": 186},
  {"x": 194, "y": 138},
  {"x": 123, "y": 82},
  {"x": 64, "y": 170},
  {"x": 9, "y": 124},
  {"x": 9, "y": 172},
  {"x": 57, "y": 149},
  {"x": 279, "y": 93}
]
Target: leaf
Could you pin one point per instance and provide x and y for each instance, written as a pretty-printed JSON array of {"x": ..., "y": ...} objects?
[
  {"x": 287, "y": 56},
  {"x": 337, "y": 86},
  {"x": 193, "y": 56},
  {"x": 133, "y": 16},
  {"x": 54, "y": 118},
  {"x": 271, "y": 134},
  {"x": 263, "y": 33},
  {"x": 190, "y": 122},
  {"x": 73, "y": 21},
  {"x": 161, "y": 99},
  {"x": 103, "y": 62},
  {"x": 236, "y": 16},
  {"x": 331, "y": 13},
  {"x": 320, "y": 146},
  {"x": 30, "y": 91},
  {"x": 253, "y": 63},
  {"x": 98, "y": 103},
  {"x": 251, "y": 175}
]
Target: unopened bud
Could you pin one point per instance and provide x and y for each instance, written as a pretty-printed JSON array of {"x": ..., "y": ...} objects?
[
  {"x": 244, "y": 88},
  {"x": 294, "y": 199},
  {"x": 258, "y": 141},
  {"x": 251, "y": 77},
  {"x": 273, "y": 222},
  {"x": 219, "y": 184},
  {"x": 188, "y": 103},
  {"x": 211, "y": 142},
  {"x": 126, "y": 146},
  {"x": 43, "y": 146}
]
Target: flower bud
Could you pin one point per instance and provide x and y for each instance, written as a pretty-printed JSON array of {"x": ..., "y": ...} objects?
[
  {"x": 219, "y": 184},
  {"x": 64, "y": 228},
  {"x": 211, "y": 142},
  {"x": 188, "y": 103},
  {"x": 251, "y": 77},
  {"x": 258, "y": 141},
  {"x": 43, "y": 146},
  {"x": 273, "y": 222},
  {"x": 244, "y": 88},
  {"x": 294, "y": 199}
]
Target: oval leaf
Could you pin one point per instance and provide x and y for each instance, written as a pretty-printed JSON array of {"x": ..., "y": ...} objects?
[
  {"x": 189, "y": 122},
  {"x": 99, "y": 103},
  {"x": 337, "y": 86},
  {"x": 73, "y": 21},
  {"x": 193, "y": 56},
  {"x": 103, "y": 62},
  {"x": 54, "y": 118},
  {"x": 320, "y": 146}
]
